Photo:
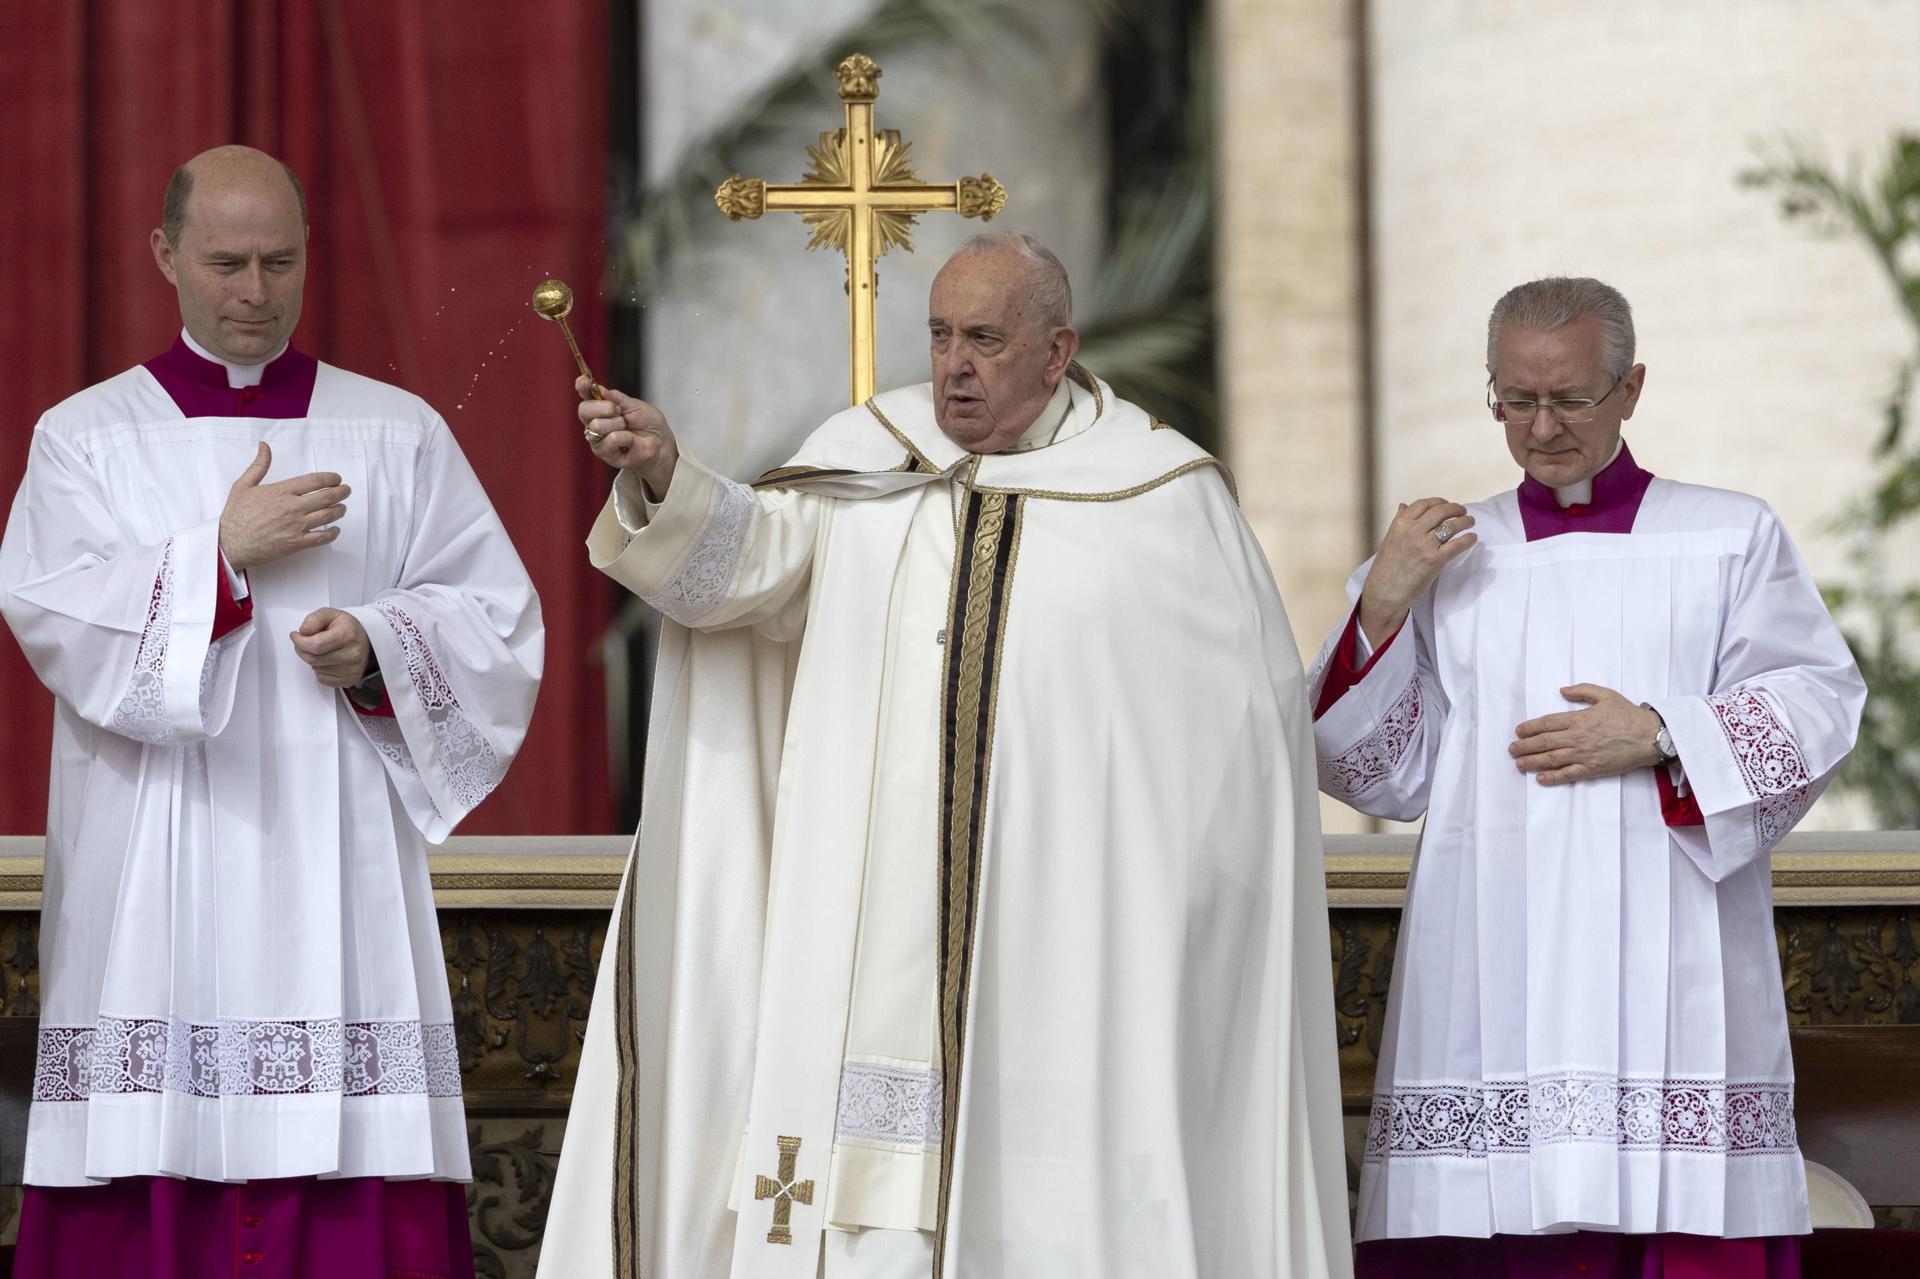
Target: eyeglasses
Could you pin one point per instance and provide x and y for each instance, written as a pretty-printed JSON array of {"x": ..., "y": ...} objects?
[{"x": 1565, "y": 412}]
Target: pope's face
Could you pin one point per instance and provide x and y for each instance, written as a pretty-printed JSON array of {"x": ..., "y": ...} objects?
[
  {"x": 1562, "y": 363},
  {"x": 995, "y": 363},
  {"x": 241, "y": 265}
]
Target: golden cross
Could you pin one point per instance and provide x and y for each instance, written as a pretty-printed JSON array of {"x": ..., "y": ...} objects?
[
  {"x": 861, "y": 197},
  {"x": 784, "y": 1192}
]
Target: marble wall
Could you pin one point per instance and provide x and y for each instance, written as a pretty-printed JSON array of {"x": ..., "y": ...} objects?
[
  {"x": 1391, "y": 167},
  {"x": 1604, "y": 137}
]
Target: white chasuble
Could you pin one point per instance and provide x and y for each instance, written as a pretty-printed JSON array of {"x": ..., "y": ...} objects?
[
  {"x": 1586, "y": 1027},
  {"x": 978, "y": 895},
  {"x": 241, "y": 973}
]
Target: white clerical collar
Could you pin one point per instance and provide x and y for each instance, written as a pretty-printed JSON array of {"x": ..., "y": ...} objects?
[
  {"x": 1047, "y": 427},
  {"x": 1580, "y": 493},
  {"x": 238, "y": 375}
]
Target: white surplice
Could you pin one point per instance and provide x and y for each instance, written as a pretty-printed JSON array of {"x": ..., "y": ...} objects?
[
  {"x": 241, "y": 973},
  {"x": 1148, "y": 1082},
  {"x": 1586, "y": 1026}
]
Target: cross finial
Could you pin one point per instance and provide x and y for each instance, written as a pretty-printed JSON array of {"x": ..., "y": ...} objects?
[{"x": 859, "y": 78}]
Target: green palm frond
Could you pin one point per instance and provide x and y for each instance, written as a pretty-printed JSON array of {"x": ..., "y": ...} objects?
[
  {"x": 1148, "y": 322},
  {"x": 1878, "y": 607}
]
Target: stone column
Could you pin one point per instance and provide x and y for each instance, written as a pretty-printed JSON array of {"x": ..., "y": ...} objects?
[{"x": 1290, "y": 234}]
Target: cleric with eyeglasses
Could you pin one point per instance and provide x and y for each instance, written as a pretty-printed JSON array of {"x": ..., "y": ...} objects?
[{"x": 1610, "y": 695}]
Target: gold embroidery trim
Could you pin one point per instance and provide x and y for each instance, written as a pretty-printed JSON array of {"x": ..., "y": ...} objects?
[
  {"x": 626, "y": 1206},
  {"x": 976, "y": 624}
]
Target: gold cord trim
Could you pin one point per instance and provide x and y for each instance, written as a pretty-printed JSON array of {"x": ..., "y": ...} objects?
[
  {"x": 1120, "y": 495},
  {"x": 626, "y": 1206},
  {"x": 784, "y": 475},
  {"x": 913, "y": 454},
  {"x": 1060, "y": 495},
  {"x": 1081, "y": 374}
]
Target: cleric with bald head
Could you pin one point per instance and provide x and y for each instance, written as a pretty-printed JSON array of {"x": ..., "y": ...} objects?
[
  {"x": 1609, "y": 695},
  {"x": 976, "y": 923},
  {"x": 288, "y": 643}
]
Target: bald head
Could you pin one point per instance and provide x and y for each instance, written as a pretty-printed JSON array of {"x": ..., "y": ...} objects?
[
  {"x": 223, "y": 166},
  {"x": 233, "y": 243}
]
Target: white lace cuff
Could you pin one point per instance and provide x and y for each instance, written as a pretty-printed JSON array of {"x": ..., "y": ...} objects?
[
  {"x": 1748, "y": 772},
  {"x": 456, "y": 761},
  {"x": 1364, "y": 737},
  {"x": 173, "y": 693},
  {"x": 685, "y": 558}
]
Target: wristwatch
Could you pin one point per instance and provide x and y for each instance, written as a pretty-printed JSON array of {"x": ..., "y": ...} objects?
[{"x": 1662, "y": 740}]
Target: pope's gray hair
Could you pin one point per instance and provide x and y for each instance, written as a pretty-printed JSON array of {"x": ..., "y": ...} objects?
[
  {"x": 1049, "y": 292},
  {"x": 1559, "y": 300}
]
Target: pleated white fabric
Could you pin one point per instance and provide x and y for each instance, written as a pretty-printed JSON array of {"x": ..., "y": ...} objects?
[
  {"x": 241, "y": 969},
  {"x": 1586, "y": 1026}
]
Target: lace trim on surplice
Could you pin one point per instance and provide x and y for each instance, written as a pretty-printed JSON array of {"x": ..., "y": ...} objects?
[
  {"x": 471, "y": 765},
  {"x": 1770, "y": 760},
  {"x": 895, "y": 1104},
  {"x": 1317, "y": 673},
  {"x": 706, "y": 572},
  {"x": 142, "y": 712},
  {"x": 1512, "y": 1116},
  {"x": 1375, "y": 757},
  {"x": 118, "y": 1055}
]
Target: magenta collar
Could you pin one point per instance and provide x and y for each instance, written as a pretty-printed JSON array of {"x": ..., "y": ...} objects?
[
  {"x": 199, "y": 385},
  {"x": 1617, "y": 492}
]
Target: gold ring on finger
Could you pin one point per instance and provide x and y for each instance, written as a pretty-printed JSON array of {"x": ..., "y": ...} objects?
[{"x": 593, "y": 436}]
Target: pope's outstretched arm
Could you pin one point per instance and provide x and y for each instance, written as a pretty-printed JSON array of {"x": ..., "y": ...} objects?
[{"x": 705, "y": 550}]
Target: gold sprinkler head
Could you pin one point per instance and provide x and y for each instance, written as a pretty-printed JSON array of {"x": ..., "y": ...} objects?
[{"x": 553, "y": 299}]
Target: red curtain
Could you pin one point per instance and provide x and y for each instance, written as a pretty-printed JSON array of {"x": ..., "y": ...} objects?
[{"x": 453, "y": 153}]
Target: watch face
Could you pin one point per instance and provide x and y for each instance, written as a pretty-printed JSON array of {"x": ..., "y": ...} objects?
[{"x": 1663, "y": 742}]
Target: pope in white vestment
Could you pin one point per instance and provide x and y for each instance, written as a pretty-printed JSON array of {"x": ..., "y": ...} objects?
[
  {"x": 241, "y": 974},
  {"x": 1586, "y": 1029},
  {"x": 976, "y": 922}
]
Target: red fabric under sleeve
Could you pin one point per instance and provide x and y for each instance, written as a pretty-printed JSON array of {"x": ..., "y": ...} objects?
[
  {"x": 384, "y": 710},
  {"x": 1678, "y": 809},
  {"x": 1342, "y": 671},
  {"x": 229, "y": 614}
]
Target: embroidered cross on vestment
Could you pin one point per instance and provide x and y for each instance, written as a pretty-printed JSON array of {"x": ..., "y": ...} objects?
[{"x": 785, "y": 1191}]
